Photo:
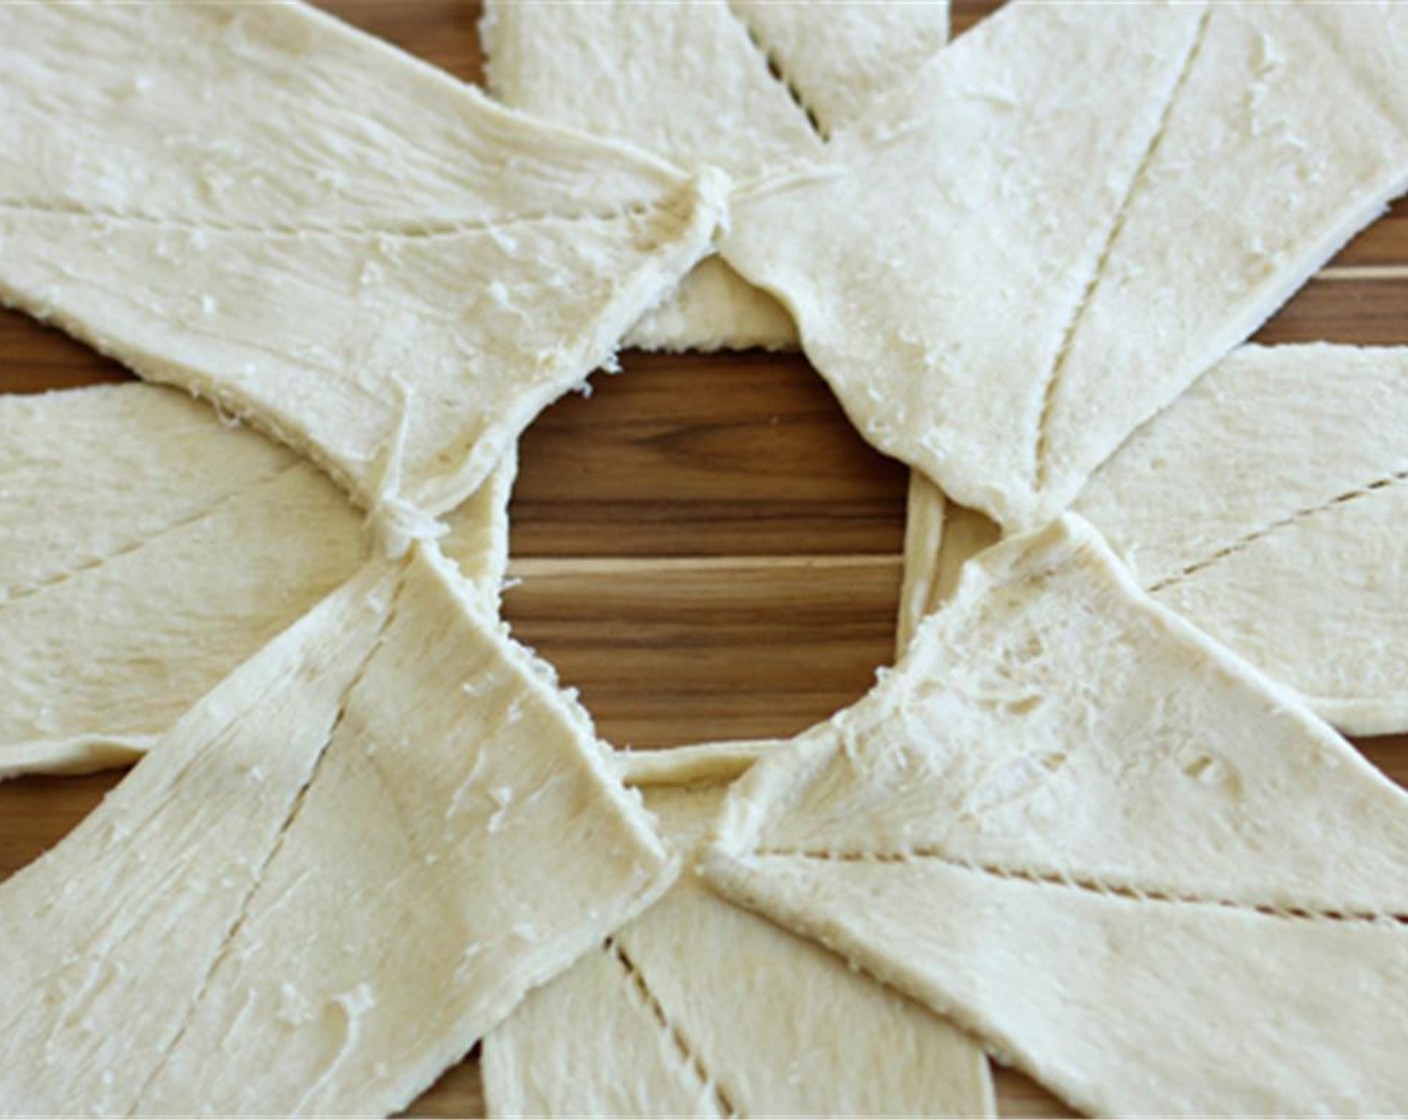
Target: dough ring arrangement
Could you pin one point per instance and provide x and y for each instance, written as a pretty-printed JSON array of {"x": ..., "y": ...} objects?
[{"x": 1096, "y": 822}]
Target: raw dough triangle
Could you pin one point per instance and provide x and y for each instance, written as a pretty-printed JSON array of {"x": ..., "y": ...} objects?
[
  {"x": 691, "y": 82},
  {"x": 404, "y": 366},
  {"x": 163, "y": 111},
  {"x": 701, "y": 1008},
  {"x": 590, "y": 1043},
  {"x": 336, "y": 872},
  {"x": 1249, "y": 190},
  {"x": 681, "y": 80},
  {"x": 370, "y": 261},
  {"x": 1053, "y": 724},
  {"x": 147, "y": 548},
  {"x": 994, "y": 313},
  {"x": 1124, "y": 1007},
  {"x": 1265, "y": 505},
  {"x": 1053, "y": 719}
]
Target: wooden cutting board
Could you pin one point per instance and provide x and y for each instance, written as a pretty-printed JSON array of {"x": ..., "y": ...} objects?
[{"x": 706, "y": 548}]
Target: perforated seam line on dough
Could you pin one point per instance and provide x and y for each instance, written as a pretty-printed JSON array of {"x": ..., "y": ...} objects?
[
  {"x": 776, "y": 70},
  {"x": 1089, "y": 886},
  {"x": 1041, "y": 447},
  {"x": 409, "y": 231},
  {"x": 677, "y": 1037},
  {"x": 1247, "y": 540},
  {"x": 295, "y": 810},
  {"x": 12, "y": 595}
]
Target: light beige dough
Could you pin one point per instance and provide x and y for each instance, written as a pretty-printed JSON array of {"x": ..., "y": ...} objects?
[
  {"x": 476, "y": 536},
  {"x": 681, "y": 80},
  {"x": 691, "y": 82},
  {"x": 1265, "y": 505},
  {"x": 925, "y": 516},
  {"x": 147, "y": 548},
  {"x": 370, "y": 261},
  {"x": 700, "y": 1008},
  {"x": 940, "y": 537},
  {"x": 345, "y": 131},
  {"x": 839, "y": 58},
  {"x": 1140, "y": 870},
  {"x": 999, "y": 314},
  {"x": 714, "y": 309},
  {"x": 340, "y": 869}
]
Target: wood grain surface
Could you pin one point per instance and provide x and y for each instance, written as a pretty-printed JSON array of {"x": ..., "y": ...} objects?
[{"x": 705, "y": 547}]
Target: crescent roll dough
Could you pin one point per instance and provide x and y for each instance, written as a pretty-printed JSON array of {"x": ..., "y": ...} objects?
[
  {"x": 839, "y": 58},
  {"x": 700, "y": 1008},
  {"x": 691, "y": 82},
  {"x": 1066, "y": 217},
  {"x": 1265, "y": 505},
  {"x": 1140, "y": 870},
  {"x": 681, "y": 80},
  {"x": 147, "y": 548},
  {"x": 334, "y": 874},
  {"x": 370, "y": 261}
]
